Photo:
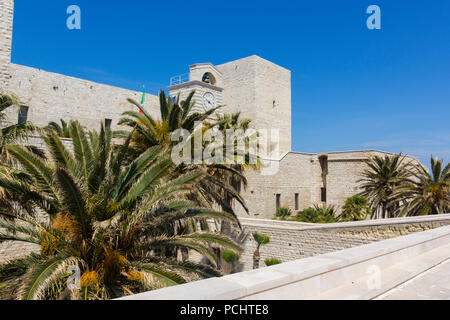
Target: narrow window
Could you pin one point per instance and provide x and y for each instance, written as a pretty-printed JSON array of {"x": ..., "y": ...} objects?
[
  {"x": 108, "y": 123},
  {"x": 23, "y": 114},
  {"x": 296, "y": 201},
  {"x": 274, "y": 104},
  {"x": 278, "y": 200},
  {"x": 323, "y": 194}
]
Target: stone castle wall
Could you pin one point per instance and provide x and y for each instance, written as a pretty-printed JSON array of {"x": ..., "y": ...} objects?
[
  {"x": 292, "y": 240},
  {"x": 51, "y": 97},
  {"x": 6, "y": 25},
  {"x": 301, "y": 173}
]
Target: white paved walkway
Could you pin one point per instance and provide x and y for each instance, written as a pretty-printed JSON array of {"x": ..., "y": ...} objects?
[{"x": 433, "y": 284}]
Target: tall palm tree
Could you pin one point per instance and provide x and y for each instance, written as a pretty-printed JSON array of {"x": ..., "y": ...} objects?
[
  {"x": 380, "y": 182},
  {"x": 120, "y": 223},
  {"x": 214, "y": 187},
  {"x": 148, "y": 131},
  {"x": 61, "y": 130},
  {"x": 14, "y": 133},
  {"x": 428, "y": 193}
]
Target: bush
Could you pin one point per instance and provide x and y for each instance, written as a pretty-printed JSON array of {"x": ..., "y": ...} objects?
[
  {"x": 230, "y": 257},
  {"x": 271, "y": 262},
  {"x": 317, "y": 215},
  {"x": 355, "y": 208},
  {"x": 283, "y": 212}
]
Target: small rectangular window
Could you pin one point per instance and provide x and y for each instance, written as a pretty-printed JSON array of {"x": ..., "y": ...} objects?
[
  {"x": 23, "y": 114},
  {"x": 278, "y": 200},
  {"x": 323, "y": 194},
  {"x": 296, "y": 201},
  {"x": 108, "y": 123}
]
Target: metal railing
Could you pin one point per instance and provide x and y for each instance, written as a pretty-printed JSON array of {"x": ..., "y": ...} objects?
[{"x": 179, "y": 79}]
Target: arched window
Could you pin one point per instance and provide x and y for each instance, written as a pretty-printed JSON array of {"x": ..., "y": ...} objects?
[{"x": 209, "y": 78}]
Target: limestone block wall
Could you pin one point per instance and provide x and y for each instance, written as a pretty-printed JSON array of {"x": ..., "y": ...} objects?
[
  {"x": 6, "y": 25},
  {"x": 51, "y": 97},
  {"x": 297, "y": 173},
  {"x": 301, "y": 173},
  {"x": 344, "y": 171},
  {"x": 291, "y": 240}
]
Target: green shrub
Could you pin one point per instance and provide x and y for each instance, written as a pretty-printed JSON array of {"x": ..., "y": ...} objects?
[
  {"x": 272, "y": 261},
  {"x": 283, "y": 212},
  {"x": 230, "y": 257},
  {"x": 317, "y": 215},
  {"x": 355, "y": 208}
]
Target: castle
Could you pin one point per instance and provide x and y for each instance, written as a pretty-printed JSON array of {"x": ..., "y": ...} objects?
[{"x": 259, "y": 89}]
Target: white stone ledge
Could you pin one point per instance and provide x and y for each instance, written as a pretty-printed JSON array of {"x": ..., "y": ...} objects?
[
  {"x": 311, "y": 277},
  {"x": 293, "y": 225}
]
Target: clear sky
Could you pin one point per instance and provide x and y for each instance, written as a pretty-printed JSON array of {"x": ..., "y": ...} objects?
[{"x": 352, "y": 88}]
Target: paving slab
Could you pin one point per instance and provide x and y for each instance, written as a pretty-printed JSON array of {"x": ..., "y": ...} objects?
[{"x": 433, "y": 284}]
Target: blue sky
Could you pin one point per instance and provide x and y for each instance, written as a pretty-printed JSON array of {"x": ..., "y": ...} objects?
[{"x": 352, "y": 88}]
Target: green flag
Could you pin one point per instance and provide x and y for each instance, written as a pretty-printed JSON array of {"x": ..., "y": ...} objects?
[{"x": 143, "y": 99}]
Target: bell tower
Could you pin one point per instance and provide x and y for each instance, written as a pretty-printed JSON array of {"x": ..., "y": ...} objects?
[
  {"x": 6, "y": 26},
  {"x": 206, "y": 80}
]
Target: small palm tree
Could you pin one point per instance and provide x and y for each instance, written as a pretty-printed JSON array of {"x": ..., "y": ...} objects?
[
  {"x": 122, "y": 224},
  {"x": 355, "y": 208},
  {"x": 261, "y": 240},
  {"x": 428, "y": 193},
  {"x": 380, "y": 182}
]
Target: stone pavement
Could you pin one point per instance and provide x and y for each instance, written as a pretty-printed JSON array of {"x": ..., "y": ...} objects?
[{"x": 433, "y": 284}]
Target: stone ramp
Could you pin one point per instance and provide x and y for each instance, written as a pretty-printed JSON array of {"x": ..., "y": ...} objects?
[
  {"x": 396, "y": 276},
  {"x": 433, "y": 284}
]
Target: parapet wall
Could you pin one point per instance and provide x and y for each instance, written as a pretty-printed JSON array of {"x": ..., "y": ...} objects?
[
  {"x": 347, "y": 274},
  {"x": 295, "y": 240}
]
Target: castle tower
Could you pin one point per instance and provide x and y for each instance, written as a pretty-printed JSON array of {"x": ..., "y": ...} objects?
[
  {"x": 6, "y": 26},
  {"x": 206, "y": 80},
  {"x": 259, "y": 89}
]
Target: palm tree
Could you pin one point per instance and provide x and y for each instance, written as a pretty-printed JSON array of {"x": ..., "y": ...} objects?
[
  {"x": 428, "y": 193},
  {"x": 12, "y": 134},
  {"x": 120, "y": 223},
  {"x": 148, "y": 131},
  {"x": 221, "y": 183},
  {"x": 61, "y": 130},
  {"x": 233, "y": 174},
  {"x": 356, "y": 208},
  {"x": 260, "y": 239},
  {"x": 380, "y": 182}
]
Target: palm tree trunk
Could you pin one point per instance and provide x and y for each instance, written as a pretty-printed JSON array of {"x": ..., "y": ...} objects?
[{"x": 256, "y": 258}]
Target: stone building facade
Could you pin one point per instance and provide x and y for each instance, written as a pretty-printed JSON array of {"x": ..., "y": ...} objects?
[{"x": 259, "y": 89}]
